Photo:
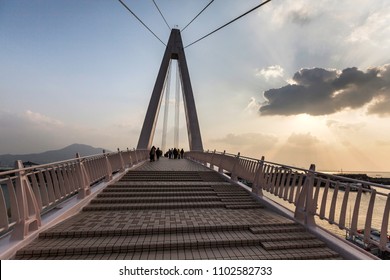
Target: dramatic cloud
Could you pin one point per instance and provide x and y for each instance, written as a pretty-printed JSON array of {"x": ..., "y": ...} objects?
[{"x": 320, "y": 91}]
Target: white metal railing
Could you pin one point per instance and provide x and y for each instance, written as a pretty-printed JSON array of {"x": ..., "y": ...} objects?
[
  {"x": 27, "y": 193},
  {"x": 355, "y": 206}
]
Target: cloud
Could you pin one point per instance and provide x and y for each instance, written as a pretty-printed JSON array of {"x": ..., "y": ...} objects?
[
  {"x": 373, "y": 29},
  {"x": 302, "y": 140},
  {"x": 252, "y": 144},
  {"x": 274, "y": 71},
  {"x": 300, "y": 17},
  {"x": 41, "y": 119},
  {"x": 300, "y": 12},
  {"x": 347, "y": 127},
  {"x": 320, "y": 91},
  {"x": 252, "y": 106}
]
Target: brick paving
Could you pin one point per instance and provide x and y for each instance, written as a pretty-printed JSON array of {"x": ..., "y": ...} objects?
[{"x": 175, "y": 209}]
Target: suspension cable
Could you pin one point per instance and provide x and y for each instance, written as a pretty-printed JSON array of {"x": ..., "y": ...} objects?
[
  {"x": 141, "y": 21},
  {"x": 198, "y": 15},
  {"x": 161, "y": 14},
  {"x": 219, "y": 28}
]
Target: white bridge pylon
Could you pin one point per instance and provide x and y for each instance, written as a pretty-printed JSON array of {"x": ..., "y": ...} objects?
[{"x": 174, "y": 50}]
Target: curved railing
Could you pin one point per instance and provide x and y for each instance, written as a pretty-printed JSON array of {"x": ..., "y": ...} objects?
[
  {"x": 27, "y": 193},
  {"x": 354, "y": 206}
]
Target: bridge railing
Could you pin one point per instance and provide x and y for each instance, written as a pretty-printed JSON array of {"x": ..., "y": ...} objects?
[
  {"x": 356, "y": 207},
  {"x": 28, "y": 193}
]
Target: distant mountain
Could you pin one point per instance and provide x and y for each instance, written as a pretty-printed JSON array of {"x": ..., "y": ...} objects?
[{"x": 68, "y": 152}]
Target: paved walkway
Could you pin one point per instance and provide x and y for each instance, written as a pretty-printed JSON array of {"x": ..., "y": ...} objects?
[{"x": 175, "y": 209}]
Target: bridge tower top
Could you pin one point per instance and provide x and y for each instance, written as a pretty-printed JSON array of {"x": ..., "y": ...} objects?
[{"x": 174, "y": 50}]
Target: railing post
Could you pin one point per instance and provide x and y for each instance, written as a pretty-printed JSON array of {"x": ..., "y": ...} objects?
[
  {"x": 130, "y": 158},
  {"x": 236, "y": 162},
  {"x": 121, "y": 160},
  {"x": 220, "y": 169},
  {"x": 212, "y": 160},
  {"x": 256, "y": 187},
  {"x": 84, "y": 190},
  {"x": 385, "y": 223},
  {"x": 136, "y": 156},
  {"x": 305, "y": 208},
  {"x": 29, "y": 212},
  {"x": 108, "y": 169}
]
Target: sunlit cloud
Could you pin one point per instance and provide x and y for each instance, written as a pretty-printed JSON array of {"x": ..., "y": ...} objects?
[
  {"x": 274, "y": 71},
  {"x": 253, "y": 105}
]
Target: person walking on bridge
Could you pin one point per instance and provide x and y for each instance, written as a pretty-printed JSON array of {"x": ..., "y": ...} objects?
[{"x": 152, "y": 153}]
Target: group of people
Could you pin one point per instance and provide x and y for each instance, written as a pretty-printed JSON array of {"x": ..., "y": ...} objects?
[
  {"x": 171, "y": 153},
  {"x": 175, "y": 153}
]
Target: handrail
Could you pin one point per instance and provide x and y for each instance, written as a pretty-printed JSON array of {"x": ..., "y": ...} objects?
[
  {"x": 312, "y": 195},
  {"x": 27, "y": 193}
]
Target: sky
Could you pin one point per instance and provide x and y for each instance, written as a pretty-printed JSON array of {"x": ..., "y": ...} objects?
[{"x": 296, "y": 81}]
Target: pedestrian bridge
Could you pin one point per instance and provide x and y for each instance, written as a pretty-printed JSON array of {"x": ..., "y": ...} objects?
[{"x": 121, "y": 206}]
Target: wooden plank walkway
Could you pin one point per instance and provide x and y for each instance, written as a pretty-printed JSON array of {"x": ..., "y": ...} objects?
[{"x": 175, "y": 209}]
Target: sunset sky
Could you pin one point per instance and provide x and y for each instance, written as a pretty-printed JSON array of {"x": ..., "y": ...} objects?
[{"x": 298, "y": 81}]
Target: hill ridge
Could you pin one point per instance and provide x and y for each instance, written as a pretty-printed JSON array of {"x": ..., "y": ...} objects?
[{"x": 65, "y": 153}]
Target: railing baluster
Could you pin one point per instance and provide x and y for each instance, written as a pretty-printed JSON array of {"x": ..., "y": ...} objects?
[
  {"x": 282, "y": 184},
  {"x": 268, "y": 178},
  {"x": 14, "y": 208},
  {"x": 43, "y": 190},
  {"x": 274, "y": 180},
  {"x": 4, "y": 224},
  {"x": 63, "y": 187},
  {"x": 343, "y": 211},
  {"x": 287, "y": 185},
  {"x": 292, "y": 187},
  {"x": 30, "y": 213},
  {"x": 299, "y": 187},
  {"x": 355, "y": 215},
  {"x": 385, "y": 223},
  {"x": 324, "y": 199},
  {"x": 65, "y": 176},
  {"x": 50, "y": 188},
  {"x": 333, "y": 204},
  {"x": 370, "y": 211},
  {"x": 57, "y": 191},
  {"x": 36, "y": 190}
]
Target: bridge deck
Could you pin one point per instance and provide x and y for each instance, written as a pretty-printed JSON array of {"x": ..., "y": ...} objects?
[{"x": 175, "y": 209}]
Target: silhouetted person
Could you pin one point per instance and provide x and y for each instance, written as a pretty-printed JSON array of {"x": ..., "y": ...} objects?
[
  {"x": 175, "y": 153},
  {"x": 158, "y": 153},
  {"x": 181, "y": 153},
  {"x": 152, "y": 153}
]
